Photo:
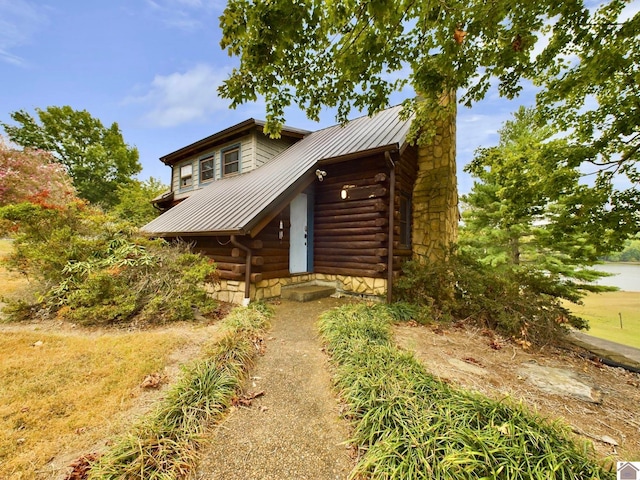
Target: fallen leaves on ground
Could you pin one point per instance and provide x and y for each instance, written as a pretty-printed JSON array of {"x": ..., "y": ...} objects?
[
  {"x": 246, "y": 399},
  {"x": 153, "y": 380},
  {"x": 80, "y": 467}
]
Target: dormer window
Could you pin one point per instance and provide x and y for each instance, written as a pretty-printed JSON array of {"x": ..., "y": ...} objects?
[
  {"x": 186, "y": 175},
  {"x": 231, "y": 161},
  {"x": 206, "y": 169}
]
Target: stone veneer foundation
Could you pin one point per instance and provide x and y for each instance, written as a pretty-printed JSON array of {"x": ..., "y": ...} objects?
[{"x": 233, "y": 291}]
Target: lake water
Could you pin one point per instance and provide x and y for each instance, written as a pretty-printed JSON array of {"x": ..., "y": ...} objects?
[{"x": 626, "y": 276}]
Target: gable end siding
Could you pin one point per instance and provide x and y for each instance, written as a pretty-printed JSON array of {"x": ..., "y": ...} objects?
[
  {"x": 267, "y": 148},
  {"x": 247, "y": 163}
]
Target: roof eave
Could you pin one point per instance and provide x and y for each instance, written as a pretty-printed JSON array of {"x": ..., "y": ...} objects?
[
  {"x": 362, "y": 153},
  {"x": 215, "y": 233},
  {"x": 221, "y": 136}
]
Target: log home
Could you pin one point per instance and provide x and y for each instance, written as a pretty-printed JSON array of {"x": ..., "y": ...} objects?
[{"x": 343, "y": 206}]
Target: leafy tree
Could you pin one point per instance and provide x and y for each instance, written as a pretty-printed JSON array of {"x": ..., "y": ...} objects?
[
  {"x": 32, "y": 175},
  {"x": 630, "y": 252},
  {"x": 528, "y": 208},
  {"x": 134, "y": 200},
  {"x": 592, "y": 92},
  {"x": 97, "y": 158},
  {"x": 356, "y": 53}
]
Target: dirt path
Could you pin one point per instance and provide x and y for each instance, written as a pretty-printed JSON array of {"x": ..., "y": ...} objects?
[{"x": 294, "y": 430}]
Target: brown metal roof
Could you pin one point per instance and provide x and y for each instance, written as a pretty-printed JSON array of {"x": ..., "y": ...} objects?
[
  {"x": 235, "y": 205},
  {"x": 226, "y": 135}
]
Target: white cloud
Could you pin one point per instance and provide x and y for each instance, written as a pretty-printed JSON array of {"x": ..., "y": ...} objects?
[
  {"x": 184, "y": 14},
  {"x": 183, "y": 97},
  {"x": 19, "y": 21}
]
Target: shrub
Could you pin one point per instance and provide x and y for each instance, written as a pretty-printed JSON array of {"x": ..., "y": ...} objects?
[
  {"x": 520, "y": 303},
  {"x": 96, "y": 270}
]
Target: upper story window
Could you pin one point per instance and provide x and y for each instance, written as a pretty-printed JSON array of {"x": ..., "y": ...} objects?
[
  {"x": 186, "y": 176},
  {"x": 231, "y": 161},
  {"x": 206, "y": 169}
]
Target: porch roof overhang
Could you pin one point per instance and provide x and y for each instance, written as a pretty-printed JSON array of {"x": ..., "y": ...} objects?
[{"x": 244, "y": 204}]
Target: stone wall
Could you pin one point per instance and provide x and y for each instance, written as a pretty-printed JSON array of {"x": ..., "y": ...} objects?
[
  {"x": 435, "y": 196},
  {"x": 233, "y": 291}
]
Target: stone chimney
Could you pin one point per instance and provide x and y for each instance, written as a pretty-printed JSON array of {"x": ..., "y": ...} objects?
[{"x": 435, "y": 195}]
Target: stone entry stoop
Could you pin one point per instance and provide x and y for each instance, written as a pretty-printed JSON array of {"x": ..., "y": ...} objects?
[{"x": 307, "y": 293}]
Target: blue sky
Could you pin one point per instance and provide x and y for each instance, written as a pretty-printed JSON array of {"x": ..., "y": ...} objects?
[{"x": 153, "y": 66}]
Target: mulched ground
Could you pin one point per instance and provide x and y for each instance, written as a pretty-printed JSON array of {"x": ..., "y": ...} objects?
[{"x": 480, "y": 361}]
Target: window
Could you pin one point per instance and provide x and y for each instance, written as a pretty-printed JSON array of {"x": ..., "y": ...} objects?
[
  {"x": 186, "y": 175},
  {"x": 405, "y": 220},
  {"x": 206, "y": 169},
  {"x": 231, "y": 161}
]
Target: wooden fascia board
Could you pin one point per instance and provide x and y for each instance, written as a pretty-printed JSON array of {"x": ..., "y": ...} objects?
[
  {"x": 363, "y": 153},
  {"x": 224, "y": 136},
  {"x": 255, "y": 226},
  {"x": 221, "y": 137}
]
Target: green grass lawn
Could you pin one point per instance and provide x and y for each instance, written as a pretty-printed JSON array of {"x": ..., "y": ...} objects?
[{"x": 603, "y": 310}]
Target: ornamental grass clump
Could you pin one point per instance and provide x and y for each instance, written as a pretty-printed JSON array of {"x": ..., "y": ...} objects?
[
  {"x": 164, "y": 445},
  {"x": 411, "y": 425}
]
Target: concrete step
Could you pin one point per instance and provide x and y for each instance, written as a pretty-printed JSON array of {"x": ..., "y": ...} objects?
[{"x": 307, "y": 293}]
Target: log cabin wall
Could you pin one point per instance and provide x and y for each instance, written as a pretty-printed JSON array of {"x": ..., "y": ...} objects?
[
  {"x": 406, "y": 174},
  {"x": 270, "y": 249},
  {"x": 351, "y": 234}
]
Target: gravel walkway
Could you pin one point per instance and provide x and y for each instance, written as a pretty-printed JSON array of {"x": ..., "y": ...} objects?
[{"x": 294, "y": 430}]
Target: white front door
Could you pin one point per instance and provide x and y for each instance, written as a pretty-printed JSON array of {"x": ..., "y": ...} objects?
[{"x": 298, "y": 235}]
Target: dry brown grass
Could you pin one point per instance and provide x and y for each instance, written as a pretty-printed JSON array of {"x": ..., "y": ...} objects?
[
  {"x": 68, "y": 394},
  {"x": 65, "y": 392},
  {"x": 10, "y": 282}
]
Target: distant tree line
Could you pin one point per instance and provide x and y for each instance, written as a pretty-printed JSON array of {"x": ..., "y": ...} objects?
[{"x": 630, "y": 253}]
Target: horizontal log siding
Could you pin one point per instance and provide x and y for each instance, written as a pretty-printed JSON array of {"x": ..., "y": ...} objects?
[
  {"x": 350, "y": 236},
  {"x": 271, "y": 260},
  {"x": 274, "y": 251}
]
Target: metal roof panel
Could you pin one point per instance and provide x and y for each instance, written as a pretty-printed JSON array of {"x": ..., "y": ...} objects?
[{"x": 231, "y": 204}]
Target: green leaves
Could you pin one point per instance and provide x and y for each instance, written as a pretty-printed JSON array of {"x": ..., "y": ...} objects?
[
  {"x": 530, "y": 207},
  {"x": 407, "y": 424},
  {"x": 594, "y": 96},
  {"x": 355, "y": 53},
  {"x": 97, "y": 158}
]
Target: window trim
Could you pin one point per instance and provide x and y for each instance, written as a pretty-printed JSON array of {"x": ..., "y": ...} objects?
[
  {"x": 405, "y": 219},
  {"x": 181, "y": 185},
  {"x": 212, "y": 159},
  {"x": 223, "y": 165}
]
